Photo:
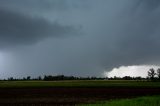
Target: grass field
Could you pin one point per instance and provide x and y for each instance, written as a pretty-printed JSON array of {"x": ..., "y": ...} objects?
[
  {"x": 140, "y": 101},
  {"x": 78, "y": 83}
]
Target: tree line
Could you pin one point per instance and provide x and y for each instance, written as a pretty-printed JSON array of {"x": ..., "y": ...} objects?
[{"x": 153, "y": 75}]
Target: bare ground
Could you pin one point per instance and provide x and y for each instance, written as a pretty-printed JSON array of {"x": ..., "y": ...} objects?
[{"x": 67, "y": 96}]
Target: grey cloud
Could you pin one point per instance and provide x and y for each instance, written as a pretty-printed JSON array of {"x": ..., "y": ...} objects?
[
  {"x": 117, "y": 32},
  {"x": 19, "y": 29},
  {"x": 36, "y": 6},
  {"x": 137, "y": 41},
  {"x": 150, "y": 5}
]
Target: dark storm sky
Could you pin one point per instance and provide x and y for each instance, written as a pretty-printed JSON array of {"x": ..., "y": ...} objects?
[{"x": 77, "y": 37}]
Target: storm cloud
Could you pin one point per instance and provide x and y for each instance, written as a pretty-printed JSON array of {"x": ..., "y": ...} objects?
[
  {"x": 115, "y": 33},
  {"x": 137, "y": 41},
  {"x": 20, "y": 29}
]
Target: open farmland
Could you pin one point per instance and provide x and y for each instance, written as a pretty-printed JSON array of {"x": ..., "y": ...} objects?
[
  {"x": 79, "y": 83},
  {"x": 140, "y": 101},
  {"x": 70, "y": 93}
]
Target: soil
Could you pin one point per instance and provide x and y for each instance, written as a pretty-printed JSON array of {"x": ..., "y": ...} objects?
[{"x": 67, "y": 96}]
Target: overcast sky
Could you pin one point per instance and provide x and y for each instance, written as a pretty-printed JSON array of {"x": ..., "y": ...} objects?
[{"x": 78, "y": 37}]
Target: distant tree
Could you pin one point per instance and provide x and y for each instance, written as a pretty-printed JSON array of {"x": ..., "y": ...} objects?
[
  {"x": 151, "y": 74},
  {"x": 93, "y": 78},
  {"x": 28, "y": 77},
  {"x": 158, "y": 73},
  {"x": 138, "y": 78},
  {"x": 39, "y": 78},
  {"x": 10, "y": 79},
  {"x": 127, "y": 78},
  {"x": 24, "y": 78}
]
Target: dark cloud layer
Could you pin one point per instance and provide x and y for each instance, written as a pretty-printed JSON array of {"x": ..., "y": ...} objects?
[
  {"x": 149, "y": 5},
  {"x": 17, "y": 28},
  {"x": 137, "y": 42}
]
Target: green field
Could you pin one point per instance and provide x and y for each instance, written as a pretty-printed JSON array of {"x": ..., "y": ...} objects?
[
  {"x": 140, "y": 101},
  {"x": 78, "y": 83}
]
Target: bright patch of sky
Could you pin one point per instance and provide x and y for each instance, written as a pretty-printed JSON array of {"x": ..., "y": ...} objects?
[{"x": 133, "y": 71}]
